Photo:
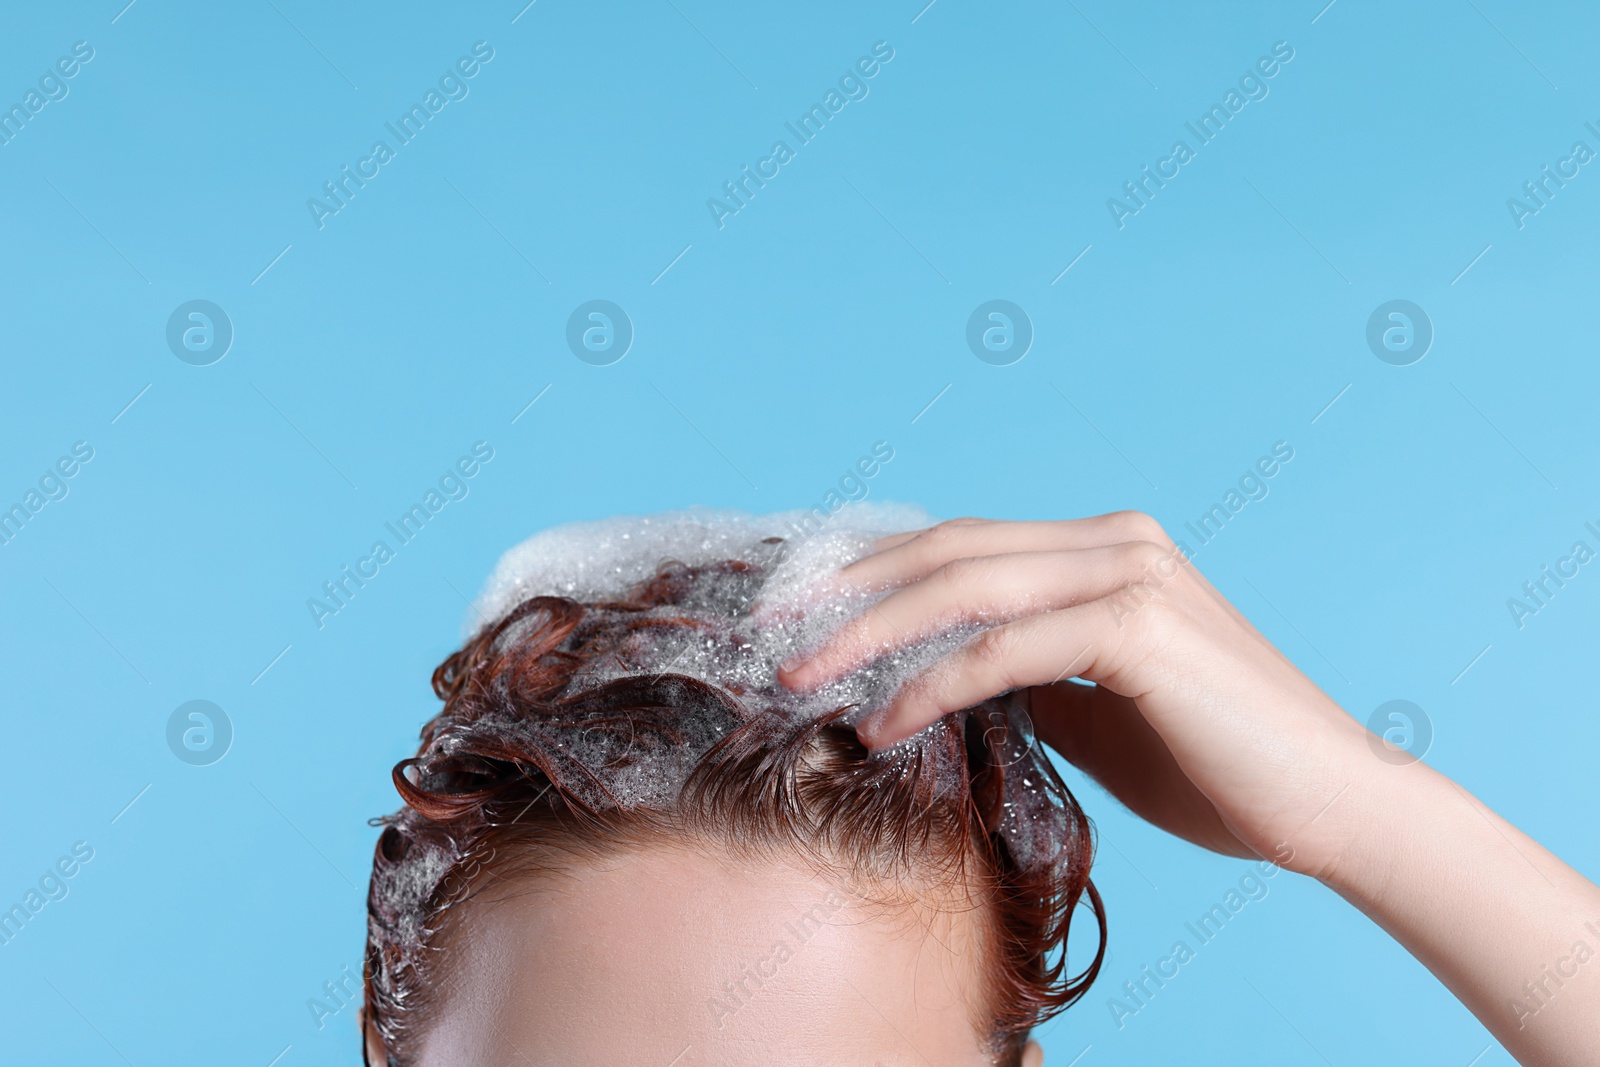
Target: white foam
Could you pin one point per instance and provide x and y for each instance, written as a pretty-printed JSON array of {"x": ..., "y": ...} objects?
[
  {"x": 597, "y": 560},
  {"x": 799, "y": 608},
  {"x": 603, "y": 560}
]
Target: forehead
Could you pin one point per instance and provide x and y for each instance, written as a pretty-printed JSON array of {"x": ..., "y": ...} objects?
[{"x": 677, "y": 958}]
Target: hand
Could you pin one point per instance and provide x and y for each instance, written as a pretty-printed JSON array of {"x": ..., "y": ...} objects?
[{"x": 1196, "y": 722}]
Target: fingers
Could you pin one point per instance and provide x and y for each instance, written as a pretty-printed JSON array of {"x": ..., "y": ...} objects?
[
  {"x": 900, "y": 538},
  {"x": 909, "y": 556},
  {"x": 795, "y": 603},
  {"x": 1041, "y": 649},
  {"x": 989, "y": 589}
]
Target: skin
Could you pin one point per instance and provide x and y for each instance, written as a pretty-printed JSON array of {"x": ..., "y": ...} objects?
[
  {"x": 1198, "y": 724},
  {"x": 628, "y": 960}
]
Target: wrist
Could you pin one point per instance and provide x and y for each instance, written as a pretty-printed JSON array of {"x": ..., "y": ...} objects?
[
  {"x": 1381, "y": 824},
  {"x": 1479, "y": 903}
]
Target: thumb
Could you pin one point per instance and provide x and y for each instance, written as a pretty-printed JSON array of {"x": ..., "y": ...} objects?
[{"x": 1105, "y": 735}]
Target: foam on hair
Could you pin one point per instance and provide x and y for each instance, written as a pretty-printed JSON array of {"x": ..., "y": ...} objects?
[
  {"x": 623, "y": 668},
  {"x": 599, "y": 562}
]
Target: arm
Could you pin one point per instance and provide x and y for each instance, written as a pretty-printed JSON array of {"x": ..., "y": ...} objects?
[
  {"x": 1201, "y": 726},
  {"x": 1511, "y": 930}
]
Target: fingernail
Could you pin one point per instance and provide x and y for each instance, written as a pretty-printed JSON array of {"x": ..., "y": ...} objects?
[{"x": 792, "y": 664}]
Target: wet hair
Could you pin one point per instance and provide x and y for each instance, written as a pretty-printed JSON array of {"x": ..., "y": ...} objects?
[{"x": 559, "y": 740}]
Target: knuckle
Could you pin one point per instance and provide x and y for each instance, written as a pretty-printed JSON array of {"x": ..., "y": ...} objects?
[
  {"x": 965, "y": 571},
  {"x": 937, "y": 689},
  {"x": 944, "y": 533},
  {"x": 993, "y": 648},
  {"x": 1143, "y": 556},
  {"x": 1140, "y": 527},
  {"x": 1158, "y": 620}
]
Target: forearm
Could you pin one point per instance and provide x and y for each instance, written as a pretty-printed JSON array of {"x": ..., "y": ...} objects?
[{"x": 1508, "y": 927}]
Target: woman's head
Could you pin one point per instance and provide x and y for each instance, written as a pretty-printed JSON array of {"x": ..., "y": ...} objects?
[{"x": 624, "y": 842}]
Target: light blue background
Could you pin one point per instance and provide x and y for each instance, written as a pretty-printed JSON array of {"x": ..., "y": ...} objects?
[{"x": 825, "y": 316}]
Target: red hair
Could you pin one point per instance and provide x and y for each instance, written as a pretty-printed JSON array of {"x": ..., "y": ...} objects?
[{"x": 542, "y": 720}]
